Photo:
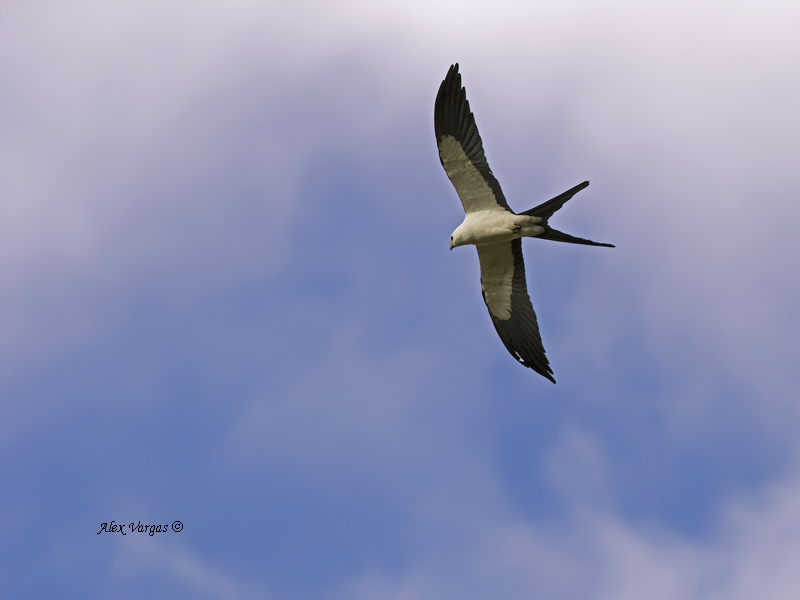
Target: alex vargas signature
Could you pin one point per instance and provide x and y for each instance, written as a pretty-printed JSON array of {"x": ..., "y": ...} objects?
[{"x": 138, "y": 528}]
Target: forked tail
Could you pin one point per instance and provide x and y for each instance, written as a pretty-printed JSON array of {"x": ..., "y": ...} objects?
[{"x": 546, "y": 210}]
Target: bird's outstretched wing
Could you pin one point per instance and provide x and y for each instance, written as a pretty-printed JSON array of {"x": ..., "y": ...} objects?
[
  {"x": 461, "y": 149},
  {"x": 506, "y": 295}
]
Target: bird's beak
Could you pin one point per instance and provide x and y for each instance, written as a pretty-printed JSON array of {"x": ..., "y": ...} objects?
[{"x": 451, "y": 245}]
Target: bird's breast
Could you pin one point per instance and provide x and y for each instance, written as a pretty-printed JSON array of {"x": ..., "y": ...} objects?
[{"x": 492, "y": 227}]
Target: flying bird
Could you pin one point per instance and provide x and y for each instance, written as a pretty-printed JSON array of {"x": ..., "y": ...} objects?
[{"x": 493, "y": 228}]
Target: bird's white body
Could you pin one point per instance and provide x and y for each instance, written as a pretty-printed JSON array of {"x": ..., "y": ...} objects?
[{"x": 486, "y": 227}]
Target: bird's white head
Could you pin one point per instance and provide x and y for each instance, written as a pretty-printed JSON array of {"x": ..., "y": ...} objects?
[{"x": 457, "y": 239}]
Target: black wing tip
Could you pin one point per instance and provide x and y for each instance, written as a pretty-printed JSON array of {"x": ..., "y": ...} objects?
[
  {"x": 531, "y": 358},
  {"x": 452, "y": 79},
  {"x": 447, "y": 99},
  {"x": 545, "y": 371},
  {"x": 547, "y": 374}
]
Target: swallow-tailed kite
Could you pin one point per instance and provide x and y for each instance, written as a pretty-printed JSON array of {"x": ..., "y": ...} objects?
[{"x": 492, "y": 227}]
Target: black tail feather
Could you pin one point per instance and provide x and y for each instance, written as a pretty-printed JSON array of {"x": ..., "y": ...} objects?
[
  {"x": 558, "y": 236},
  {"x": 546, "y": 210}
]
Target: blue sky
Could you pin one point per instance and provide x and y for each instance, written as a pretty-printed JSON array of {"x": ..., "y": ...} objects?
[{"x": 227, "y": 299}]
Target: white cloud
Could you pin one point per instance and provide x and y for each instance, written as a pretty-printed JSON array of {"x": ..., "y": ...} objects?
[
  {"x": 139, "y": 557},
  {"x": 597, "y": 556}
]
